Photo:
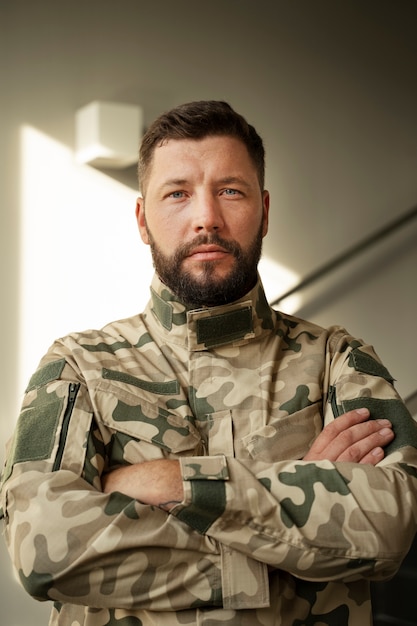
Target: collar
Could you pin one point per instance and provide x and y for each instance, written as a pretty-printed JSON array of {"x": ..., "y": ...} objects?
[{"x": 210, "y": 327}]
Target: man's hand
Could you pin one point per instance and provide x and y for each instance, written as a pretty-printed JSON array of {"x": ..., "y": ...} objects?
[
  {"x": 352, "y": 437},
  {"x": 155, "y": 482}
]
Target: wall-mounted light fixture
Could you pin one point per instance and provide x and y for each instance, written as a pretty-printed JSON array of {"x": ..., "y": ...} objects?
[{"x": 108, "y": 134}]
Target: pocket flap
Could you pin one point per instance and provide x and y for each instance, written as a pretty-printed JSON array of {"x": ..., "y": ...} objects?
[
  {"x": 289, "y": 437},
  {"x": 145, "y": 420}
]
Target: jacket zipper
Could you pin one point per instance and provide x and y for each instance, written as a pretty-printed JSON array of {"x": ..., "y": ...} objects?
[
  {"x": 72, "y": 395},
  {"x": 333, "y": 400}
]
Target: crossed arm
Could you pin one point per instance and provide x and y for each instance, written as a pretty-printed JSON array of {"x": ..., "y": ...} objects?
[{"x": 352, "y": 437}]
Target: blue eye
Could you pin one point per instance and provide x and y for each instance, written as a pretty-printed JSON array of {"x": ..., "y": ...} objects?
[
  {"x": 176, "y": 194},
  {"x": 231, "y": 192}
]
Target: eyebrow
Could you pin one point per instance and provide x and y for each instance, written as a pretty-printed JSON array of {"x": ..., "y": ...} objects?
[
  {"x": 230, "y": 180},
  {"x": 173, "y": 182},
  {"x": 226, "y": 180}
]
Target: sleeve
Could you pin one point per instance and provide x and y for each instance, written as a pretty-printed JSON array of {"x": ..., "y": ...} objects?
[
  {"x": 68, "y": 541},
  {"x": 319, "y": 521}
]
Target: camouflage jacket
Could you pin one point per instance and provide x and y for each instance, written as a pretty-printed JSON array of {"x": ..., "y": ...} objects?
[{"x": 237, "y": 393}]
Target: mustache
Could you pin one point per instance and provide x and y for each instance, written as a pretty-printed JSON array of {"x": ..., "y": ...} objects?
[{"x": 214, "y": 239}]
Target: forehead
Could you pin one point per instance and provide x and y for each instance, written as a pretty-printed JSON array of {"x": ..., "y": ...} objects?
[{"x": 213, "y": 153}]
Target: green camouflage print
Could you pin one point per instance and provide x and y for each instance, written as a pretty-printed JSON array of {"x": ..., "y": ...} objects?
[{"x": 237, "y": 393}]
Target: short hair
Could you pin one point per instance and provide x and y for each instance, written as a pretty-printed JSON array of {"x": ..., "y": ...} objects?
[{"x": 197, "y": 120}]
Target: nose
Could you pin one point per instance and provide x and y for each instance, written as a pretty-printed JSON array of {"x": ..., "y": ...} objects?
[{"x": 207, "y": 214}]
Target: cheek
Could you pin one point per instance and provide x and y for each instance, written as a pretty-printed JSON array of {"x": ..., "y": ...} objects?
[
  {"x": 244, "y": 228},
  {"x": 166, "y": 234}
]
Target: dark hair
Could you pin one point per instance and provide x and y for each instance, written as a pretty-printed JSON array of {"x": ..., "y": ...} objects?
[{"x": 196, "y": 120}]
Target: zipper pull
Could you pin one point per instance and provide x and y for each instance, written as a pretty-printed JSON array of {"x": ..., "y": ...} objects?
[
  {"x": 72, "y": 394},
  {"x": 331, "y": 398}
]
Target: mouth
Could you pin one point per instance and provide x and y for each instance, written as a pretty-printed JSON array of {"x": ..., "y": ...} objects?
[{"x": 208, "y": 252}]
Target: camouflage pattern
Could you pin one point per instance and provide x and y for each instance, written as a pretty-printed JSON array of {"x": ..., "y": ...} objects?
[{"x": 238, "y": 393}]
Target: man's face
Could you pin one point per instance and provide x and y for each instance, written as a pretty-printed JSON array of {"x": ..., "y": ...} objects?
[{"x": 204, "y": 216}]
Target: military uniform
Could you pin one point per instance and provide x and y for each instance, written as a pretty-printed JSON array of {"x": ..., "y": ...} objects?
[{"x": 238, "y": 393}]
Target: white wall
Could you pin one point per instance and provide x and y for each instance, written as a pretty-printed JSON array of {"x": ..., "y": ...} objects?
[{"x": 331, "y": 87}]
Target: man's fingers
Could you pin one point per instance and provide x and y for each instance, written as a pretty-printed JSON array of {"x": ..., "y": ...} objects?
[
  {"x": 352, "y": 437},
  {"x": 347, "y": 420},
  {"x": 339, "y": 426},
  {"x": 375, "y": 456},
  {"x": 366, "y": 444}
]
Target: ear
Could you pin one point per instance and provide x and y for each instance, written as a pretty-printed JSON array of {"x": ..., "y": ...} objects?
[
  {"x": 140, "y": 218},
  {"x": 265, "y": 209}
]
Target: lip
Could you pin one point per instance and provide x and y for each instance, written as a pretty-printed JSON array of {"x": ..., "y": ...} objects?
[{"x": 208, "y": 252}]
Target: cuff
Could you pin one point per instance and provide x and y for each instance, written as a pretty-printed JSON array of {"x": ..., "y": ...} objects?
[{"x": 204, "y": 491}]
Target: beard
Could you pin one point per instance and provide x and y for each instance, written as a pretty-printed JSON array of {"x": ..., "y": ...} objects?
[{"x": 207, "y": 289}]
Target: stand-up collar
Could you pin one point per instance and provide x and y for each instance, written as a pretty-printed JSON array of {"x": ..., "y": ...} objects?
[{"x": 202, "y": 329}]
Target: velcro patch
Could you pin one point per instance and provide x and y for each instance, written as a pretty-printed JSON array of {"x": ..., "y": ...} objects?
[
  {"x": 405, "y": 428},
  {"x": 34, "y": 437},
  {"x": 46, "y": 374},
  {"x": 224, "y": 327},
  {"x": 366, "y": 364},
  {"x": 169, "y": 387},
  {"x": 209, "y": 503}
]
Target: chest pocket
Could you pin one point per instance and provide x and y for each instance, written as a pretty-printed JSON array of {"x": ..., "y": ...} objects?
[
  {"x": 137, "y": 424},
  {"x": 287, "y": 437},
  {"x": 243, "y": 433}
]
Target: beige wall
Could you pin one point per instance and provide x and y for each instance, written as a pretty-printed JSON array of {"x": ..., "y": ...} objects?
[{"x": 331, "y": 87}]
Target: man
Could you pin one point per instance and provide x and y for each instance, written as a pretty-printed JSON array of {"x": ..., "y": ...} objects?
[{"x": 210, "y": 461}]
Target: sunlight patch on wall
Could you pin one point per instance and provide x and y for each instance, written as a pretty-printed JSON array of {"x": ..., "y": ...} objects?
[
  {"x": 277, "y": 280},
  {"x": 82, "y": 261}
]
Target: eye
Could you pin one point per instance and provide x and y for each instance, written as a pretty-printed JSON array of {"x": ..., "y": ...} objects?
[
  {"x": 176, "y": 194},
  {"x": 231, "y": 192}
]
